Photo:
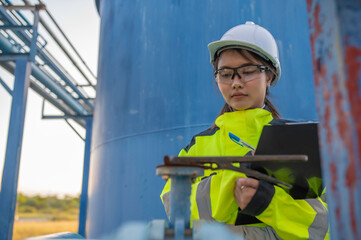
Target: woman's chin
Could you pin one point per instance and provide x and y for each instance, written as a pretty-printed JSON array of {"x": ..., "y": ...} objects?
[{"x": 239, "y": 107}]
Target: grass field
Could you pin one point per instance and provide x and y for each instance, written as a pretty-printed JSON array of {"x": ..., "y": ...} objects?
[{"x": 36, "y": 228}]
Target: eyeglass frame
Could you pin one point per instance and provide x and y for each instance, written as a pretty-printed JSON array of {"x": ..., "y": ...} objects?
[{"x": 261, "y": 68}]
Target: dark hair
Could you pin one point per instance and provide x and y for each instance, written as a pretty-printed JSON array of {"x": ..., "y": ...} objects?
[{"x": 251, "y": 56}]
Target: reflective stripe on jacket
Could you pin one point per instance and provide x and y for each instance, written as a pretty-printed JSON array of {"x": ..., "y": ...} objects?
[{"x": 271, "y": 209}]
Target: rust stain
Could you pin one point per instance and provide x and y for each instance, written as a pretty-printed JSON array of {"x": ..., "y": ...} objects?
[
  {"x": 353, "y": 212},
  {"x": 316, "y": 26},
  {"x": 334, "y": 179},
  {"x": 336, "y": 196},
  {"x": 309, "y": 5},
  {"x": 344, "y": 131},
  {"x": 353, "y": 67}
]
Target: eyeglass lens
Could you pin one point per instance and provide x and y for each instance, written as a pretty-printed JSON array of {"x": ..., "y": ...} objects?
[{"x": 245, "y": 73}]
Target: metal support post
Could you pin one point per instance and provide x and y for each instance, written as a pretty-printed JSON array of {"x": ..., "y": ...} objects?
[
  {"x": 33, "y": 47},
  {"x": 84, "y": 191},
  {"x": 180, "y": 193},
  {"x": 9, "y": 182},
  {"x": 336, "y": 54}
]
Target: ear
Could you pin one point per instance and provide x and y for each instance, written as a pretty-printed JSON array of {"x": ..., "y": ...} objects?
[{"x": 269, "y": 80}]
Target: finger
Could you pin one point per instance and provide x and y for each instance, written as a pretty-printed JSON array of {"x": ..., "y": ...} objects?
[
  {"x": 240, "y": 183},
  {"x": 251, "y": 183}
]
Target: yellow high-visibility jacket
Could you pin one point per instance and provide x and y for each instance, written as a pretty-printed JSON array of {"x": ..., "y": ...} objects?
[{"x": 272, "y": 212}]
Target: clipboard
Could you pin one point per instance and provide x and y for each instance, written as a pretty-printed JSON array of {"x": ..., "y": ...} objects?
[{"x": 292, "y": 138}]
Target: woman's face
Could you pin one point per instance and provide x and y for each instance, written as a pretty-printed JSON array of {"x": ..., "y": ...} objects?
[{"x": 239, "y": 95}]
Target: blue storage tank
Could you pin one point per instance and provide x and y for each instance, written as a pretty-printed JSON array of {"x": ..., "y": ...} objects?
[{"x": 155, "y": 91}]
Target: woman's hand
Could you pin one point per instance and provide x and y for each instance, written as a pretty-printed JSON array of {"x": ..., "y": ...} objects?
[{"x": 244, "y": 191}]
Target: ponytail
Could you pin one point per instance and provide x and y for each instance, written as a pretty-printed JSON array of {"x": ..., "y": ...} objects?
[{"x": 271, "y": 108}]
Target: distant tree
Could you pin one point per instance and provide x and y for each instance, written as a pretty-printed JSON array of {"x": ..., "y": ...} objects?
[{"x": 58, "y": 208}]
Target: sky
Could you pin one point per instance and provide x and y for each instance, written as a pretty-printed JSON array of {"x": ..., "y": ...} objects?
[{"x": 52, "y": 154}]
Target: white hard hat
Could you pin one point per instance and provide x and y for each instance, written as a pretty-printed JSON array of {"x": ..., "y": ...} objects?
[{"x": 251, "y": 37}]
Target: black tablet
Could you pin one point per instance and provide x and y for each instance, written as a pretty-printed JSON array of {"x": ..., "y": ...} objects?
[{"x": 292, "y": 138}]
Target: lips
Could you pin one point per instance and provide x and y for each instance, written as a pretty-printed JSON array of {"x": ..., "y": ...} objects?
[{"x": 238, "y": 95}]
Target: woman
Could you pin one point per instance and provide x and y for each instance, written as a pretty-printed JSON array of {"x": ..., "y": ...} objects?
[{"x": 246, "y": 64}]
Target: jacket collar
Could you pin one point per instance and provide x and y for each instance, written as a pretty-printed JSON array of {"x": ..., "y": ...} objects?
[{"x": 248, "y": 116}]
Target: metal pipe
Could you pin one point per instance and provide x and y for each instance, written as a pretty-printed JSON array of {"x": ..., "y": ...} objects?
[
  {"x": 7, "y": 47},
  {"x": 49, "y": 82},
  {"x": 66, "y": 38},
  {"x": 21, "y": 15},
  {"x": 47, "y": 28},
  {"x": 23, "y": 18},
  {"x": 56, "y": 102},
  {"x": 63, "y": 117},
  {"x": 65, "y": 75},
  {"x": 58, "y": 90},
  {"x": 26, "y": 39},
  {"x": 57, "y": 70}
]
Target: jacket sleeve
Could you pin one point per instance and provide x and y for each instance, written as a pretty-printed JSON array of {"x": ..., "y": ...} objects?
[{"x": 290, "y": 218}]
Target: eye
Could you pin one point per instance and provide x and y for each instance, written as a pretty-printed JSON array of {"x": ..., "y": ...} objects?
[
  {"x": 249, "y": 70},
  {"x": 225, "y": 73}
]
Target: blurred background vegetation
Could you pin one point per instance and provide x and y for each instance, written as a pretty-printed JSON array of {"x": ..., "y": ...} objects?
[
  {"x": 40, "y": 215},
  {"x": 47, "y": 207}
]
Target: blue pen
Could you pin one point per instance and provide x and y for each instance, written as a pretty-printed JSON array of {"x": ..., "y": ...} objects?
[{"x": 239, "y": 141}]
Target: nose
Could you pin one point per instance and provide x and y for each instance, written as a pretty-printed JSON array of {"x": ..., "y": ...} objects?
[{"x": 237, "y": 80}]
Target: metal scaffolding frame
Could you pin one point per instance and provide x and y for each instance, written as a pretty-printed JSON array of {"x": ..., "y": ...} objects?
[{"x": 23, "y": 54}]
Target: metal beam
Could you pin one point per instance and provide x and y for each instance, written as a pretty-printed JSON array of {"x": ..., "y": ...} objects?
[
  {"x": 336, "y": 54},
  {"x": 14, "y": 56},
  {"x": 25, "y": 7},
  {"x": 14, "y": 27},
  {"x": 7, "y": 88},
  {"x": 84, "y": 191},
  {"x": 10, "y": 175}
]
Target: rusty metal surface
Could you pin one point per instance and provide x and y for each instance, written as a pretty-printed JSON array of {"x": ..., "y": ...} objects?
[
  {"x": 217, "y": 163},
  {"x": 245, "y": 159},
  {"x": 336, "y": 55}
]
